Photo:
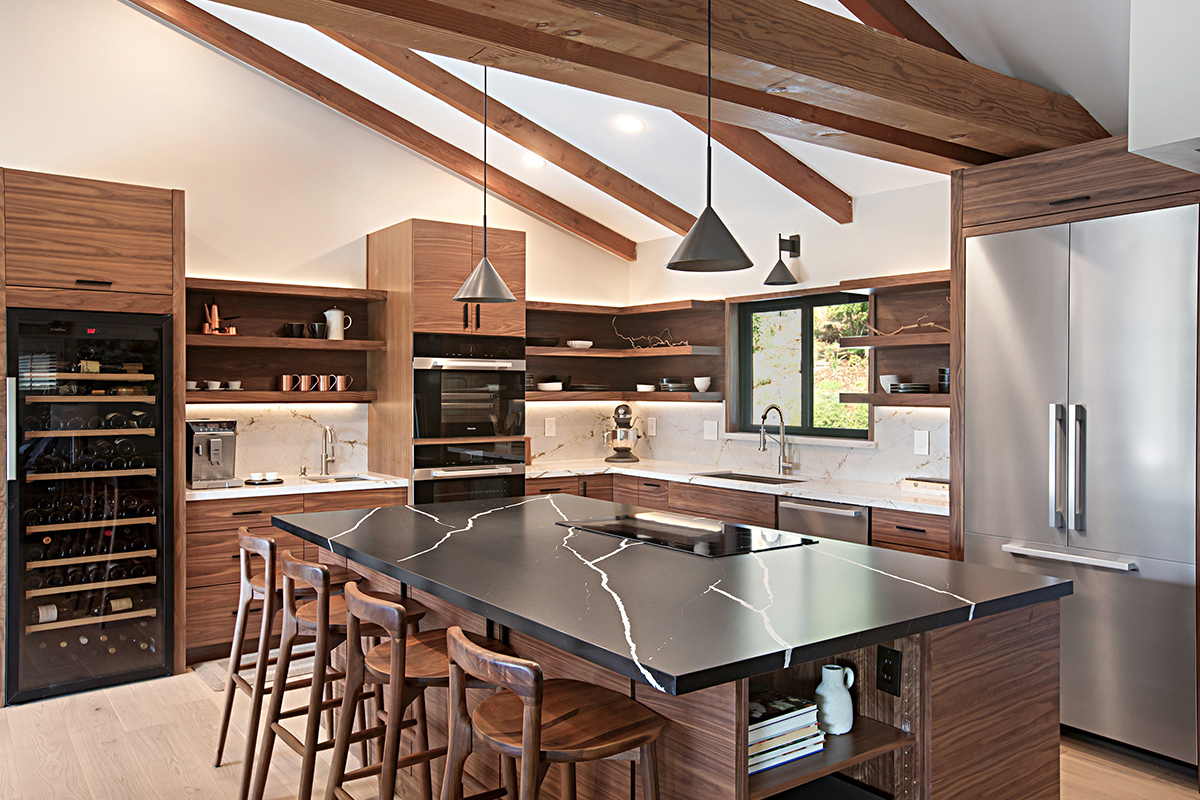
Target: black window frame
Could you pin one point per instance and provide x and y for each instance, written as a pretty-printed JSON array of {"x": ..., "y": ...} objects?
[{"x": 745, "y": 372}]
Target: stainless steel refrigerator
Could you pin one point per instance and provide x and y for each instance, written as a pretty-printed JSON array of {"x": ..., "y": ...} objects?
[{"x": 1080, "y": 454}]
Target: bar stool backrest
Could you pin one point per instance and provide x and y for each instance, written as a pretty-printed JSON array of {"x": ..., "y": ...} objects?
[
  {"x": 263, "y": 546},
  {"x": 361, "y": 607},
  {"x": 316, "y": 576}
]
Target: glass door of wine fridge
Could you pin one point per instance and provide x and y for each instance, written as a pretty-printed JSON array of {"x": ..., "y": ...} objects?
[{"x": 90, "y": 501}]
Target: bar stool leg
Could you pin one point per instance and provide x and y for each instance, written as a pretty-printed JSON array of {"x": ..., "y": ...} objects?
[
  {"x": 568, "y": 781},
  {"x": 286, "y": 642},
  {"x": 649, "y": 762},
  {"x": 271, "y": 605},
  {"x": 422, "y": 731},
  {"x": 235, "y": 662},
  {"x": 510, "y": 777},
  {"x": 341, "y": 747},
  {"x": 313, "y": 728}
]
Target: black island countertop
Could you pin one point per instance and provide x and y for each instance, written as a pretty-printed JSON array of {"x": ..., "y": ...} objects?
[{"x": 676, "y": 621}]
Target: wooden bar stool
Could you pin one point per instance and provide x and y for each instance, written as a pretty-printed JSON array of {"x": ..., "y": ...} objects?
[
  {"x": 409, "y": 665},
  {"x": 541, "y": 722},
  {"x": 313, "y": 620}
]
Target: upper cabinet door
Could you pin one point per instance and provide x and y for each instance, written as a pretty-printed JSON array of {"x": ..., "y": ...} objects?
[
  {"x": 442, "y": 259},
  {"x": 506, "y": 251},
  {"x": 73, "y": 233}
]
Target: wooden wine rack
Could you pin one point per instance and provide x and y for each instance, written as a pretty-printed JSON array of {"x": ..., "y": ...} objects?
[
  {"x": 88, "y": 587},
  {"x": 78, "y": 623},
  {"x": 110, "y": 473},
  {"x": 91, "y": 432},
  {"x": 99, "y": 523},
  {"x": 66, "y": 562}
]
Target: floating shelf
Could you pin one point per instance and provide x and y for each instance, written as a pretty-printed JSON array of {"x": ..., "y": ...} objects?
[
  {"x": 90, "y": 432},
  {"x": 640, "y": 352},
  {"x": 648, "y": 308},
  {"x": 127, "y": 377},
  {"x": 658, "y": 397},
  {"x": 899, "y": 284},
  {"x": 867, "y": 740},
  {"x": 91, "y": 398},
  {"x": 899, "y": 340},
  {"x": 98, "y": 523},
  {"x": 111, "y": 473},
  {"x": 78, "y": 623},
  {"x": 250, "y": 396},
  {"x": 67, "y": 562},
  {"x": 927, "y": 400},
  {"x": 87, "y": 587},
  {"x": 282, "y": 342},
  {"x": 284, "y": 290}
]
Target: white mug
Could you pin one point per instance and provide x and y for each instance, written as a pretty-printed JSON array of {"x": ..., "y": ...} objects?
[{"x": 336, "y": 323}]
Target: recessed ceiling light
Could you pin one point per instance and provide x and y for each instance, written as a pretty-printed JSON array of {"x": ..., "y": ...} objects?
[
  {"x": 628, "y": 123},
  {"x": 532, "y": 160}
]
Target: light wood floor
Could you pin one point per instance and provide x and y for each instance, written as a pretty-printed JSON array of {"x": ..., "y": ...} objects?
[{"x": 155, "y": 740}]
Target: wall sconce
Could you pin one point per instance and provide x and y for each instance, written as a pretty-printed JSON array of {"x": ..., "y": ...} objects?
[{"x": 780, "y": 274}]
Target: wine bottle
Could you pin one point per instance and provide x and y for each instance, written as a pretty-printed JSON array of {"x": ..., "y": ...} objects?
[
  {"x": 141, "y": 419},
  {"x": 94, "y": 573},
  {"x": 117, "y": 571},
  {"x": 125, "y": 446},
  {"x": 32, "y": 517},
  {"x": 55, "y": 578},
  {"x": 48, "y": 612},
  {"x": 37, "y": 550},
  {"x": 141, "y": 568},
  {"x": 34, "y": 581},
  {"x": 74, "y": 575},
  {"x": 116, "y": 419}
]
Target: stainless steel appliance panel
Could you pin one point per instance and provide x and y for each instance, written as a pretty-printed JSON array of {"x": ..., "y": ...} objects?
[
  {"x": 826, "y": 520},
  {"x": 1016, "y": 371},
  {"x": 1128, "y": 643},
  {"x": 1133, "y": 370}
]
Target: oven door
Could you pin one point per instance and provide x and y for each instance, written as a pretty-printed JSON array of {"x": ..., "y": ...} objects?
[
  {"x": 468, "y": 397},
  {"x": 445, "y": 473}
]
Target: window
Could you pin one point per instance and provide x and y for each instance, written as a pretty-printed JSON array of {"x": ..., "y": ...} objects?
[{"x": 789, "y": 356}]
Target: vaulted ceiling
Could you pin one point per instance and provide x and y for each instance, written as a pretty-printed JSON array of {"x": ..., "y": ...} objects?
[{"x": 843, "y": 110}]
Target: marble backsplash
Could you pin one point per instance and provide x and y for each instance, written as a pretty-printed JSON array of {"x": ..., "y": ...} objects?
[
  {"x": 680, "y": 437},
  {"x": 284, "y": 438}
]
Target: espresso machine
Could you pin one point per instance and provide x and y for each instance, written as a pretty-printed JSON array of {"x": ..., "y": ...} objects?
[
  {"x": 212, "y": 445},
  {"x": 623, "y": 437}
]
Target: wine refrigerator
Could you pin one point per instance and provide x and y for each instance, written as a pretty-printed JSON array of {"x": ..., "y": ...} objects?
[{"x": 90, "y": 501}]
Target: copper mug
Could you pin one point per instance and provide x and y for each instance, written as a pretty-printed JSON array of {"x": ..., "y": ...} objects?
[
  {"x": 287, "y": 383},
  {"x": 342, "y": 382},
  {"x": 297, "y": 383},
  {"x": 325, "y": 382}
]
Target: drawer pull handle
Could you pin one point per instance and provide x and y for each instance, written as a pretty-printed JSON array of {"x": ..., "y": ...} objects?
[
  {"x": 652, "y": 485},
  {"x": 549, "y": 491},
  {"x": 907, "y": 528},
  {"x": 1070, "y": 200},
  {"x": 246, "y": 513},
  {"x": 87, "y": 282}
]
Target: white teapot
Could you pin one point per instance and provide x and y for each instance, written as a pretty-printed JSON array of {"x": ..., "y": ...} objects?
[{"x": 336, "y": 323}]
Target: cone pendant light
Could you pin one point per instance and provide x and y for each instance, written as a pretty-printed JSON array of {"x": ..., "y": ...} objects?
[
  {"x": 484, "y": 285},
  {"x": 709, "y": 246}
]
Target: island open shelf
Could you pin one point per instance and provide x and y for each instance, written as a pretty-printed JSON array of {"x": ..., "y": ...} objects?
[
  {"x": 925, "y": 400},
  {"x": 249, "y": 396}
]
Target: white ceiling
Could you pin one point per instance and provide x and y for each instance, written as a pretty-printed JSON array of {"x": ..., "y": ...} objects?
[{"x": 1076, "y": 47}]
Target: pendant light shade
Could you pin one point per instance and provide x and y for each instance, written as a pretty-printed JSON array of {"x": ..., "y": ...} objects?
[
  {"x": 709, "y": 247},
  {"x": 780, "y": 275},
  {"x": 484, "y": 284}
]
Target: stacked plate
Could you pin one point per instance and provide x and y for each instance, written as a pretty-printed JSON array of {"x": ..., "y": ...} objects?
[
  {"x": 944, "y": 380},
  {"x": 910, "y": 388}
]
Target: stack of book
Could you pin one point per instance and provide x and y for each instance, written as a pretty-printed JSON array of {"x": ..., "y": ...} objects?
[{"x": 783, "y": 728}]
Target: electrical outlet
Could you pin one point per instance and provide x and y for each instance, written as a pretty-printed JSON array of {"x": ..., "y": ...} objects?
[
  {"x": 921, "y": 443},
  {"x": 710, "y": 430},
  {"x": 551, "y": 426},
  {"x": 652, "y": 426},
  {"x": 887, "y": 670}
]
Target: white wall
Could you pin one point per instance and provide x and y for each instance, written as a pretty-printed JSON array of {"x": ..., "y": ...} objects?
[{"x": 1164, "y": 87}]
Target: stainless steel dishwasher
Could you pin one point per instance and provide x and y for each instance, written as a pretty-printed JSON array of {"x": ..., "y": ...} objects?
[{"x": 819, "y": 518}]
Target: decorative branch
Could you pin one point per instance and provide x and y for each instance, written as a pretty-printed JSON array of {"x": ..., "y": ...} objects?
[
  {"x": 920, "y": 323},
  {"x": 662, "y": 339}
]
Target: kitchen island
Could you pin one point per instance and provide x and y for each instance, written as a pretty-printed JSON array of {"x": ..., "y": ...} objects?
[{"x": 977, "y": 710}]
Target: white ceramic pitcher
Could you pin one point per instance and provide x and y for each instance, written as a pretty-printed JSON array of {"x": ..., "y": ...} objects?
[
  {"x": 336, "y": 323},
  {"x": 835, "y": 711}
]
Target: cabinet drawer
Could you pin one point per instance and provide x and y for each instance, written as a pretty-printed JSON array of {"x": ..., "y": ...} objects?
[
  {"x": 730, "y": 505},
  {"x": 358, "y": 498},
  {"x": 653, "y": 494},
  {"x": 251, "y": 512},
  {"x": 212, "y": 556},
  {"x": 921, "y": 551},
  {"x": 565, "y": 485},
  {"x": 211, "y": 612},
  {"x": 1086, "y": 176},
  {"x": 597, "y": 486},
  {"x": 625, "y": 489},
  {"x": 910, "y": 529}
]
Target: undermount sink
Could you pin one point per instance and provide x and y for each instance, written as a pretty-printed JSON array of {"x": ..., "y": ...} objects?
[
  {"x": 746, "y": 476},
  {"x": 335, "y": 478}
]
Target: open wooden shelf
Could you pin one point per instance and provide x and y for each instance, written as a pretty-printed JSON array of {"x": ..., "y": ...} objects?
[
  {"x": 283, "y": 342},
  {"x": 67, "y": 562},
  {"x": 91, "y": 398},
  {"x": 90, "y": 432},
  {"x": 126, "y": 377},
  {"x": 647, "y": 308},
  {"x": 926, "y": 400},
  {"x": 899, "y": 340},
  {"x": 658, "y": 397},
  {"x": 78, "y": 623},
  {"x": 96, "y": 523},
  {"x": 639, "y": 352},
  {"x": 331, "y": 293},
  {"x": 88, "y": 587},
  {"x": 249, "y": 396},
  {"x": 108, "y": 473},
  {"x": 866, "y": 740},
  {"x": 899, "y": 284}
]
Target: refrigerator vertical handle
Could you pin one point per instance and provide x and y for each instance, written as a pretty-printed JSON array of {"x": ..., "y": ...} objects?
[
  {"x": 10, "y": 414},
  {"x": 1055, "y": 468},
  {"x": 1076, "y": 461}
]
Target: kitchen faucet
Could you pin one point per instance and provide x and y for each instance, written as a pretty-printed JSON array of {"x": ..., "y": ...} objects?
[
  {"x": 326, "y": 450},
  {"x": 784, "y": 468}
]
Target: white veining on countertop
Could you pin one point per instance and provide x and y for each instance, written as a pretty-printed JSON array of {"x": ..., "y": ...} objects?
[
  {"x": 352, "y": 530},
  {"x": 762, "y": 612},
  {"x": 970, "y": 616},
  {"x": 427, "y": 514},
  {"x": 624, "y": 545},
  {"x": 469, "y": 526}
]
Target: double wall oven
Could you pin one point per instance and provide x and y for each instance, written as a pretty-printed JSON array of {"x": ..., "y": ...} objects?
[{"x": 468, "y": 417}]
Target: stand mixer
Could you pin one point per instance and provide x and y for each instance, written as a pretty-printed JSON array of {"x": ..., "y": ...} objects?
[{"x": 623, "y": 437}]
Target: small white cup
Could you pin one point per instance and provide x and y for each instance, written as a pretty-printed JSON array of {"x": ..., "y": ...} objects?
[
  {"x": 256, "y": 476},
  {"x": 234, "y": 384},
  {"x": 193, "y": 385},
  {"x": 270, "y": 476},
  {"x": 213, "y": 385},
  {"x": 702, "y": 384}
]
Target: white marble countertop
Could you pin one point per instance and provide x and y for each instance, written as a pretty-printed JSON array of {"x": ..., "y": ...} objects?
[
  {"x": 296, "y": 485},
  {"x": 834, "y": 490}
]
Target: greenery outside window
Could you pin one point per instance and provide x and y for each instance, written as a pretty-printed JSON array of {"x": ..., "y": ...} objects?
[{"x": 788, "y": 355}]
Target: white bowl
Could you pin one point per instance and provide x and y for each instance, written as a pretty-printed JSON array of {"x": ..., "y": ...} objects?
[
  {"x": 579, "y": 344},
  {"x": 256, "y": 476},
  {"x": 702, "y": 384},
  {"x": 886, "y": 381},
  {"x": 550, "y": 387},
  {"x": 270, "y": 476},
  {"x": 645, "y": 387}
]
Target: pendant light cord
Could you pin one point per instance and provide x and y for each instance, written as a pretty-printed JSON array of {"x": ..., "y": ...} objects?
[
  {"x": 485, "y": 129},
  {"x": 709, "y": 91}
]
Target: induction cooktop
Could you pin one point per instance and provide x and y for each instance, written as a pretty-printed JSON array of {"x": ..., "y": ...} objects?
[{"x": 695, "y": 535}]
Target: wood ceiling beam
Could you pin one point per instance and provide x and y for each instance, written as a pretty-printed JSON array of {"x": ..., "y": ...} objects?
[
  {"x": 759, "y": 151},
  {"x": 445, "y": 86},
  {"x": 898, "y": 18},
  {"x": 219, "y": 34},
  {"x": 551, "y": 53},
  {"x": 783, "y": 49}
]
